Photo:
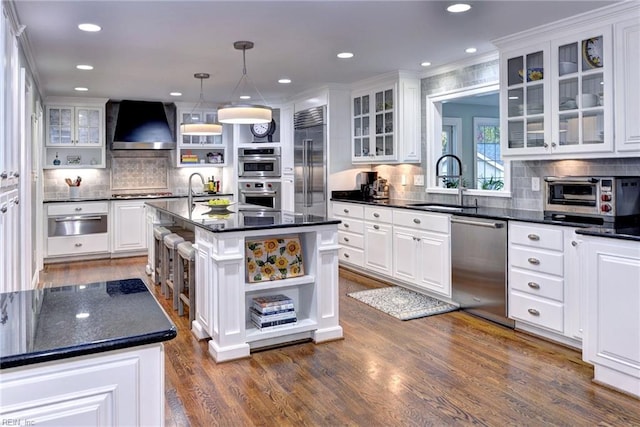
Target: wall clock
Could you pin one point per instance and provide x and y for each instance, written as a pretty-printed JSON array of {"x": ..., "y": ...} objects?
[
  {"x": 592, "y": 52},
  {"x": 261, "y": 130}
]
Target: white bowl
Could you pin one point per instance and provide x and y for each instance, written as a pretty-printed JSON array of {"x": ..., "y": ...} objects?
[
  {"x": 587, "y": 100},
  {"x": 568, "y": 67}
]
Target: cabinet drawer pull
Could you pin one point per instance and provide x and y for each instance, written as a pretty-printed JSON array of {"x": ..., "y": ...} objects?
[
  {"x": 376, "y": 227},
  {"x": 416, "y": 220},
  {"x": 346, "y": 211},
  {"x": 346, "y": 225},
  {"x": 533, "y": 312},
  {"x": 574, "y": 243},
  {"x": 346, "y": 239},
  {"x": 534, "y": 261},
  {"x": 533, "y": 285},
  {"x": 376, "y": 215},
  {"x": 78, "y": 209},
  {"x": 346, "y": 255},
  {"x": 533, "y": 237},
  {"x": 77, "y": 245}
]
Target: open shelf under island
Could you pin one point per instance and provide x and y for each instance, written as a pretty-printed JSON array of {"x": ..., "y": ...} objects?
[{"x": 224, "y": 293}]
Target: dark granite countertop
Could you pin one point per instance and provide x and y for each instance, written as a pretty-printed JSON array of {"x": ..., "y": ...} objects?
[
  {"x": 626, "y": 231},
  {"x": 237, "y": 217},
  {"x": 198, "y": 196},
  {"x": 57, "y": 323}
]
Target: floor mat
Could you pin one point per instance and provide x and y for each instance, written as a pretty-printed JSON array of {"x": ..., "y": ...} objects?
[{"x": 402, "y": 303}]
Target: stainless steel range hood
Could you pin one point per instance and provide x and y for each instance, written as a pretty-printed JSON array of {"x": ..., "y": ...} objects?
[{"x": 141, "y": 125}]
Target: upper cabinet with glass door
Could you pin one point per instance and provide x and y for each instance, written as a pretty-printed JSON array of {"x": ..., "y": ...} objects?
[
  {"x": 199, "y": 150},
  {"x": 386, "y": 121}
]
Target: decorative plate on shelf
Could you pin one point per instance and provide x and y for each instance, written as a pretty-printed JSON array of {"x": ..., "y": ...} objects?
[
  {"x": 273, "y": 258},
  {"x": 592, "y": 52}
]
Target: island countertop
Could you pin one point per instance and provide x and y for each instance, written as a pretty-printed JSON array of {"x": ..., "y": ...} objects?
[
  {"x": 57, "y": 323},
  {"x": 237, "y": 217}
]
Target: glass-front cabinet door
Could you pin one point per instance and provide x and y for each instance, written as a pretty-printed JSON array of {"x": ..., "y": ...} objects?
[
  {"x": 384, "y": 123},
  {"x": 583, "y": 118},
  {"x": 374, "y": 134},
  {"x": 70, "y": 126},
  {"x": 361, "y": 123},
  {"x": 527, "y": 101},
  {"x": 88, "y": 126}
]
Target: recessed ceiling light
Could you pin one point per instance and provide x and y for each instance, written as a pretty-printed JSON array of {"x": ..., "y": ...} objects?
[
  {"x": 175, "y": 93},
  {"x": 84, "y": 67},
  {"x": 458, "y": 7},
  {"x": 471, "y": 50},
  {"x": 82, "y": 315},
  {"x": 81, "y": 89},
  {"x": 284, "y": 81},
  {"x": 245, "y": 96},
  {"x": 345, "y": 55},
  {"x": 92, "y": 28},
  {"x": 425, "y": 63}
]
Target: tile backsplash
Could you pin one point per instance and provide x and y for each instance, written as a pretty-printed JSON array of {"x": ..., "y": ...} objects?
[{"x": 151, "y": 173}]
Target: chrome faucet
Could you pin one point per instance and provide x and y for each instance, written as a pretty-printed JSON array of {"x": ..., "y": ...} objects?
[
  {"x": 459, "y": 176},
  {"x": 190, "y": 191}
]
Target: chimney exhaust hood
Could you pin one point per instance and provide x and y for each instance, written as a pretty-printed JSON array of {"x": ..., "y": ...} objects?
[{"x": 142, "y": 125}]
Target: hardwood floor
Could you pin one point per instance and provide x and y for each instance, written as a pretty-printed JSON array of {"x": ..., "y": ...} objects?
[{"x": 450, "y": 369}]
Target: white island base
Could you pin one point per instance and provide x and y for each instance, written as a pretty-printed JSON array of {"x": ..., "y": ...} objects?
[{"x": 223, "y": 295}]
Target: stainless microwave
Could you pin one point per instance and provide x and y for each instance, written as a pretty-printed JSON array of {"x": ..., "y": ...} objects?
[
  {"x": 606, "y": 198},
  {"x": 259, "y": 162}
]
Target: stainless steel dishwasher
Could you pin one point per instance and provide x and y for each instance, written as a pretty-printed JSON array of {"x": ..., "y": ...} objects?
[{"x": 479, "y": 267}]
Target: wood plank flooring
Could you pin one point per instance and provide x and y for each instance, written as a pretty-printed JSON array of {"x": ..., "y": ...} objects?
[{"x": 450, "y": 369}]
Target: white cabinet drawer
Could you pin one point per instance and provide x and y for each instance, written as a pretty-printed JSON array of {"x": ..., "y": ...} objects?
[
  {"x": 537, "y": 260},
  {"x": 350, "y": 210},
  {"x": 537, "y": 284},
  {"x": 540, "y": 312},
  {"x": 352, "y": 225},
  {"x": 82, "y": 208},
  {"x": 351, "y": 256},
  {"x": 420, "y": 220},
  {"x": 377, "y": 214},
  {"x": 538, "y": 236},
  {"x": 75, "y": 245},
  {"x": 351, "y": 239}
]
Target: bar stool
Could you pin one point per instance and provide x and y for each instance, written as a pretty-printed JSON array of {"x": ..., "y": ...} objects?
[
  {"x": 169, "y": 263},
  {"x": 186, "y": 289},
  {"x": 159, "y": 232}
]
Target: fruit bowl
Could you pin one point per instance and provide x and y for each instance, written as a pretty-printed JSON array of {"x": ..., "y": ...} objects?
[{"x": 218, "y": 205}]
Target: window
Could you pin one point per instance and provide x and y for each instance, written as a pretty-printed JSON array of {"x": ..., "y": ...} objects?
[{"x": 489, "y": 170}]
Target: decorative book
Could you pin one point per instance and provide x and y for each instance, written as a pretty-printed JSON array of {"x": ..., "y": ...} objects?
[{"x": 274, "y": 258}]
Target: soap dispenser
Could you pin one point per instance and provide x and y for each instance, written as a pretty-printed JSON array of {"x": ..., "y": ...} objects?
[{"x": 56, "y": 161}]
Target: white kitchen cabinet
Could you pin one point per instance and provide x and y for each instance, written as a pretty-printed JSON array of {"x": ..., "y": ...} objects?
[
  {"x": 75, "y": 135},
  {"x": 421, "y": 250},
  {"x": 627, "y": 84},
  {"x": 350, "y": 232},
  {"x": 385, "y": 126},
  {"x": 612, "y": 335},
  {"x": 557, "y": 96},
  {"x": 9, "y": 223},
  {"x": 544, "y": 281},
  {"x": 204, "y": 318},
  {"x": 378, "y": 240},
  {"x": 200, "y": 150},
  {"x": 122, "y": 387},
  {"x": 129, "y": 226}
]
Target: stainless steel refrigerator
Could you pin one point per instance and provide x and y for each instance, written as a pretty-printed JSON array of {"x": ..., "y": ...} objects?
[{"x": 310, "y": 161}]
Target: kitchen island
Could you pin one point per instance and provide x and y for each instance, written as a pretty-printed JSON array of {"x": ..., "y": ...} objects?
[
  {"x": 225, "y": 291},
  {"x": 83, "y": 355}
]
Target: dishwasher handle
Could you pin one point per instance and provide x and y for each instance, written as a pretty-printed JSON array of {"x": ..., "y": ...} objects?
[{"x": 478, "y": 223}]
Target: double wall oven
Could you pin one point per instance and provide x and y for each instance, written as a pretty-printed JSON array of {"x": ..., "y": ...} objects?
[{"x": 259, "y": 177}]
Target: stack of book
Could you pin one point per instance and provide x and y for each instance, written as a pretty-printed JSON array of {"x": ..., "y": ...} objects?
[
  {"x": 272, "y": 310},
  {"x": 189, "y": 158}
]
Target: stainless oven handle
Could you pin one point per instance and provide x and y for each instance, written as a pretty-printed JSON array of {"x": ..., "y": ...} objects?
[
  {"x": 266, "y": 193},
  {"x": 586, "y": 179},
  {"x": 79, "y": 218},
  {"x": 249, "y": 159}
]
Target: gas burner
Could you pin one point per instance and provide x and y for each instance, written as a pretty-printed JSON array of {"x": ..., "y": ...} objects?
[{"x": 155, "y": 195}]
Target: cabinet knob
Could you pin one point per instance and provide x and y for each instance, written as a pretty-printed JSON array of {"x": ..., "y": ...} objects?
[
  {"x": 376, "y": 215},
  {"x": 346, "y": 239},
  {"x": 78, "y": 209},
  {"x": 534, "y": 261},
  {"x": 77, "y": 245},
  {"x": 533, "y": 285},
  {"x": 4, "y": 175},
  {"x": 3, "y": 209},
  {"x": 533, "y": 237},
  {"x": 346, "y": 211},
  {"x": 376, "y": 227},
  {"x": 574, "y": 243},
  {"x": 16, "y": 174},
  {"x": 416, "y": 220},
  {"x": 533, "y": 312},
  {"x": 346, "y": 226},
  {"x": 346, "y": 255},
  {"x": 418, "y": 239},
  {"x": 545, "y": 145}
]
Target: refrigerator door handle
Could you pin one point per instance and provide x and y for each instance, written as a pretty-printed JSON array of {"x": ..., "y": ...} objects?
[{"x": 309, "y": 179}]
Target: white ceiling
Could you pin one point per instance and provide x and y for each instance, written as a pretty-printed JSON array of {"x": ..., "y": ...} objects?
[{"x": 147, "y": 49}]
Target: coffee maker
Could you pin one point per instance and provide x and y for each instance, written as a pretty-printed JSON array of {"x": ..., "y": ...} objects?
[
  {"x": 381, "y": 189},
  {"x": 367, "y": 180}
]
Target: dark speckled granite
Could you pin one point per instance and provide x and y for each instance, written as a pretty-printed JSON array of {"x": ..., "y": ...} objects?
[
  {"x": 42, "y": 325},
  {"x": 626, "y": 231}
]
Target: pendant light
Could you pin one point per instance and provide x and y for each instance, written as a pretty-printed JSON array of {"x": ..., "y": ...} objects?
[
  {"x": 244, "y": 113},
  {"x": 200, "y": 128}
]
